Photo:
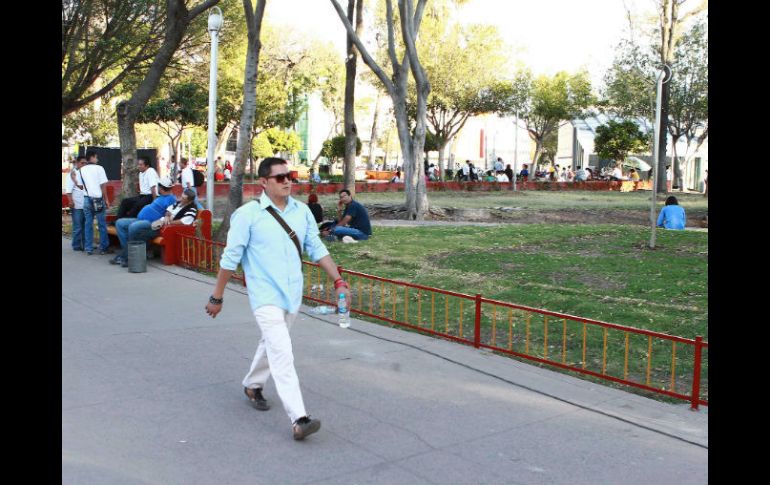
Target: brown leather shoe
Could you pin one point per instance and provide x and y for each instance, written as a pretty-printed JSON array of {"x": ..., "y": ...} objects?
[
  {"x": 256, "y": 399},
  {"x": 305, "y": 426}
]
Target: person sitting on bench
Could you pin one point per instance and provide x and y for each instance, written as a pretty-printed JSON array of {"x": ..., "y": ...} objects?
[
  {"x": 139, "y": 228},
  {"x": 148, "y": 190}
]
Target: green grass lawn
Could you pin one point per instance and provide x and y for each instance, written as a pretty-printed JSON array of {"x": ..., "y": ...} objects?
[
  {"x": 532, "y": 199},
  {"x": 602, "y": 272}
]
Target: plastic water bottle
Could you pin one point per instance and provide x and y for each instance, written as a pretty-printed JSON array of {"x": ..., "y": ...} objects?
[
  {"x": 342, "y": 309},
  {"x": 322, "y": 310}
]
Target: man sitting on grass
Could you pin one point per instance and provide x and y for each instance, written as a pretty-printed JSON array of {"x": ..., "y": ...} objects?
[{"x": 353, "y": 222}]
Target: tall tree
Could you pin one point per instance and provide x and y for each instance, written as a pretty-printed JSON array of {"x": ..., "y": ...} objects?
[
  {"x": 462, "y": 63},
  {"x": 671, "y": 18},
  {"x": 103, "y": 41},
  {"x": 630, "y": 89},
  {"x": 178, "y": 19},
  {"x": 616, "y": 139},
  {"x": 543, "y": 102},
  {"x": 235, "y": 196},
  {"x": 412, "y": 141},
  {"x": 182, "y": 106},
  {"x": 351, "y": 131},
  {"x": 689, "y": 98}
]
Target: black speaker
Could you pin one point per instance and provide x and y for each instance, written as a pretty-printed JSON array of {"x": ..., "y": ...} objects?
[{"x": 109, "y": 158}]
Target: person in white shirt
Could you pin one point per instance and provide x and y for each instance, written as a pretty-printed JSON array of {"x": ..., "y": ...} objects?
[
  {"x": 188, "y": 181},
  {"x": 499, "y": 165},
  {"x": 76, "y": 196},
  {"x": 617, "y": 173},
  {"x": 148, "y": 190},
  {"x": 669, "y": 178},
  {"x": 467, "y": 170},
  {"x": 93, "y": 180}
]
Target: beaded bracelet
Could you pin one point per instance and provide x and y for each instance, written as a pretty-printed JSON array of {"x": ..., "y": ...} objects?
[{"x": 215, "y": 301}]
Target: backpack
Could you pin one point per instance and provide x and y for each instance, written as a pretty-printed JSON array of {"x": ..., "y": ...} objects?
[{"x": 197, "y": 178}]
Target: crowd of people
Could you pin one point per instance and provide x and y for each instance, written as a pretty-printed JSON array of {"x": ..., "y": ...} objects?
[{"x": 138, "y": 219}]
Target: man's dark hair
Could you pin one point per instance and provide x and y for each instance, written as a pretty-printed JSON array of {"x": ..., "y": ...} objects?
[
  {"x": 82, "y": 157},
  {"x": 89, "y": 154},
  {"x": 671, "y": 200},
  {"x": 344, "y": 190},
  {"x": 183, "y": 161},
  {"x": 265, "y": 166},
  {"x": 144, "y": 160}
]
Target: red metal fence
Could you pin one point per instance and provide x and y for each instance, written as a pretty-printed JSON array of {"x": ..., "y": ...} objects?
[{"x": 656, "y": 362}]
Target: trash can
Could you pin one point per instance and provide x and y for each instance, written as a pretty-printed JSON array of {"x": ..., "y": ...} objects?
[{"x": 137, "y": 257}]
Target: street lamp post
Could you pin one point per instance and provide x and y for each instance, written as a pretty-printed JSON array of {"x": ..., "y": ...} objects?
[
  {"x": 665, "y": 72},
  {"x": 215, "y": 23}
]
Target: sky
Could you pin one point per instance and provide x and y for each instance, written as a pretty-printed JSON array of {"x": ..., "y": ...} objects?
[{"x": 546, "y": 35}]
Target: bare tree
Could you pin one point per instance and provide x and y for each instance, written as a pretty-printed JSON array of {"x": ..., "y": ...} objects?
[
  {"x": 670, "y": 21},
  {"x": 178, "y": 18},
  {"x": 411, "y": 143},
  {"x": 243, "y": 148}
]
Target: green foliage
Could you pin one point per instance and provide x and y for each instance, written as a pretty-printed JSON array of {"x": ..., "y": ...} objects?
[
  {"x": 261, "y": 147},
  {"x": 432, "y": 142},
  {"x": 91, "y": 124},
  {"x": 334, "y": 148},
  {"x": 275, "y": 140},
  {"x": 97, "y": 56},
  {"x": 462, "y": 64},
  {"x": 543, "y": 102},
  {"x": 185, "y": 104},
  {"x": 630, "y": 82},
  {"x": 284, "y": 141},
  {"x": 615, "y": 140}
]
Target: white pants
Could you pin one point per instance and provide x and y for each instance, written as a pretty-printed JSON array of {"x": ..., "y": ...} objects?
[{"x": 274, "y": 356}]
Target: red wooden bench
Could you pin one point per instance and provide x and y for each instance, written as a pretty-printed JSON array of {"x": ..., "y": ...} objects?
[{"x": 168, "y": 240}]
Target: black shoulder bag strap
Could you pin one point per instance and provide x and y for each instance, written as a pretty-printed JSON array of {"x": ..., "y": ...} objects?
[{"x": 289, "y": 230}]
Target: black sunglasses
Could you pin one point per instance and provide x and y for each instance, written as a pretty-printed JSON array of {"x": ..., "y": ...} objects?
[{"x": 281, "y": 177}]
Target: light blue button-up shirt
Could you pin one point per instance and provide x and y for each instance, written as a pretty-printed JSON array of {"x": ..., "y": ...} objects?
[{"x": 271, "y": 265}]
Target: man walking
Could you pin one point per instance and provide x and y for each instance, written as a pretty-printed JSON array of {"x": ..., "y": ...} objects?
[
  {"x": 76, "y": 205},
  {"x": 148, "y": 190},
  {"x": 264, "y": 238},
  {"x": 93, "y": 180}
]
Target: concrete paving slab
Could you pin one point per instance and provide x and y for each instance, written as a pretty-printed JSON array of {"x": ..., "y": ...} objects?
[{"x": 151, "y": 393}]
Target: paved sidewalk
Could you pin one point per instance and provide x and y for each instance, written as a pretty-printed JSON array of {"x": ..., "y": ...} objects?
[{"x": 151, "y": 394}]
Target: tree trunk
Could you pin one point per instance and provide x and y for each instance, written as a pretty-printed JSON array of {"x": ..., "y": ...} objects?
[
  {"x": 351, "y": 131},
  {"x": 248, "y": 110},
  {"x": 373, "y": 137},
  {"x": 441, "y": 155},
  {"x": 178, "y": 18},
  {"x": 396, "y": 85},
  {"x": 536, "y": 158},
  {"x": 677, "y": 171},
  {"x": 663, "y": 135},
  {"x": 221, "y": 147}
]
